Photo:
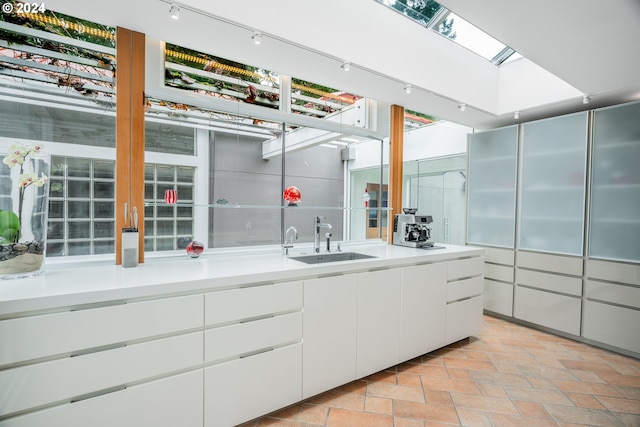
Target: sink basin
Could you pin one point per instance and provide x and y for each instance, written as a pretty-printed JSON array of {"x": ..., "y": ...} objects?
[{"x": 331, "y": 257}]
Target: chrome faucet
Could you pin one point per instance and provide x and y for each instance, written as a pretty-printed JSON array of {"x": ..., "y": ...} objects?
[
  {"x": 317, "y": 226},
  {"x": 288, "y": 242}
]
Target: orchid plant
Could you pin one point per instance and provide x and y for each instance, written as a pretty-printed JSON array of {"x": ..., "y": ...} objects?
[{"x": 10, "y": 223}]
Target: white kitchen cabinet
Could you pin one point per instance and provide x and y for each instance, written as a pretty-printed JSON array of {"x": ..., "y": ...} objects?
[
  {"x": 378, "y": 314},
  {"x": 242, "y": 389},
  {"x": 556, "y": 311},
  {"x": 491, "y": 194},
  {"x": 552, "y": 184},
  {"x": 464, "y": 298},
  {"x": 612, "y": 308},
  {"x": 167, "y": 402},
  {"x": 614, "y": 223},
  {"x": 424, "y": 293},
  {"x": 78, "y": 330},
  {"x": 73, "y": 378},
  {"x": 329, "y": 350}
]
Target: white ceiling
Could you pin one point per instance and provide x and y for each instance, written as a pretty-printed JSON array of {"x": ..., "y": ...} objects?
[{"x": 572, "y": 48}]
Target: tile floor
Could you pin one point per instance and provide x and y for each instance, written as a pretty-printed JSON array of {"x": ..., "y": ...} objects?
[{"x": 509, "y": 376}]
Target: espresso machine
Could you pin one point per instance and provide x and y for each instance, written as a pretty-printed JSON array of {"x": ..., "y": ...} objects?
[{"x": 411, "y": 230}]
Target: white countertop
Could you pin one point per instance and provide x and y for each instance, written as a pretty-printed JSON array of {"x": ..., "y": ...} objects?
[{"x": 74, "y": 286}]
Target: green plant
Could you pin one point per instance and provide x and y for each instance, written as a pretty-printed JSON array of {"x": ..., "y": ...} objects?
[{"x": 10, "y": 223}]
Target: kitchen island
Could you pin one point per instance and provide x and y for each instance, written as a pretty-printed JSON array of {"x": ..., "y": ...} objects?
[{"x": 222, "y": 339}]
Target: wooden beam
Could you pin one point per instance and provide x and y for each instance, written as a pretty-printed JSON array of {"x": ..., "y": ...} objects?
[
  {"x": 396, "y": 147},
  {"x": 130, "y": 79}
]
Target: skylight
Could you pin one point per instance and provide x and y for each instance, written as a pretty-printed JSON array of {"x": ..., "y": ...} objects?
[{"x": 433, "y": 16}]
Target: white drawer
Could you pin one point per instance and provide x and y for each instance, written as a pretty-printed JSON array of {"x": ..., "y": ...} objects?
[
  {"x": 52, "y": 334},
  {"x": 548, "y": 262},
  {"x": 500, "y": 256},
  {"x": 550, "y": 282},
  {"x": 499, "y": 272},
  {"x": 610, "y": 292},
  {"x": 64, "y": 379},
  {"x": 243, "y": 389},
  {"x": 613, "y": 271},
  {"x": 616, "y": 326},
  {"x": 498, "y": 297},
  {"x": 464, "y": 319},
  {"x": 242, "y": 338},
  {"x": 554, "y": 311},
  {"x": 245, "y": 303},
  {"x": 465, "y": 288},
  {"x": 463, "y": 268},
  {"x": 168, "y": 402}
]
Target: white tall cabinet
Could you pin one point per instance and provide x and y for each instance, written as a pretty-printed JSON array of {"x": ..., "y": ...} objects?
[{"x": 574, "y": 264}]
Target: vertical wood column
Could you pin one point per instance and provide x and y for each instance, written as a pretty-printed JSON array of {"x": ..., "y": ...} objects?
[
  {"x": 130, "y": 79},
  {"x": 396, "y": 146}
]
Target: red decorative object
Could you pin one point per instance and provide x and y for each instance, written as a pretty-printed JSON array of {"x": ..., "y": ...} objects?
[
  {"x": 292, "y": 195},
  {"x": 366, "y": 197},
  {"x": 171, "y": 196},
  {"x": 195, "y": 249}
]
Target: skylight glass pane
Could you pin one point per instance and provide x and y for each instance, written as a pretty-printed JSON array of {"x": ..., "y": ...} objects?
[
  {"x": 419, "y": 10},
  {"x": 470, "y": 37}
]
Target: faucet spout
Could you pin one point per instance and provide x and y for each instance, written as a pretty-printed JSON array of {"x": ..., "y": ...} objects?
[
  {"x": 318, "y": 224},
  {"x": 288, "y": 241}
]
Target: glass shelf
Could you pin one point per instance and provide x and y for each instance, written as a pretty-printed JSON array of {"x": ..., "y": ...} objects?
[{"x": 236, "y": 206}]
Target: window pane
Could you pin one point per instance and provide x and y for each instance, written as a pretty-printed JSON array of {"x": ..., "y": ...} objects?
[
  {"x": 185, "y": 175},
  {"x": 104, "y": 190},
  {"x": 79, "y": 189},
  {"x": 79, "y": 230},
  {"x": 79, "y": 248},
  {"x": 78, "y": 209},
  {"x": 80, "y": 168},
  {"x": 165, "y": 173},
  {"x": 165, "y": 228},
  {"x": 103, "y": 169},
  {"x": 103, "y": 209},
  {"x": 103, "y": 229},
  {"x": 56, "y": 209},
  {"x": 104, "y": 247},
  {"x": 55, "y": 230}
]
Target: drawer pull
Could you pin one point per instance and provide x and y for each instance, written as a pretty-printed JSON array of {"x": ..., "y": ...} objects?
[{"x": 254, "y": 353}]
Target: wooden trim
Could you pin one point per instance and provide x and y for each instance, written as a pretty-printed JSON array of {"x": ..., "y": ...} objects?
[
  {"x": 130, "y": 79},
  {"x": 396, "y": 147}
]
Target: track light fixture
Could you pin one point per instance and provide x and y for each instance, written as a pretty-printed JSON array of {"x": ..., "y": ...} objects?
[
  {"x": 462, "y": 107},
  {"x": 516, "y": 115},
  {"x": 346, "y": 66},
  {"x": 408, "y": 89},
  {"x": 174, "y": 11},
  {"x": 586, "y": 99},
  {"x": 257, "y": 37}
]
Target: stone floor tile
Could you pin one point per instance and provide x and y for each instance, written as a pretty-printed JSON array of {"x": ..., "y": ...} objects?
[
  {"x": 339, "y": 399},
  {"x": 483, "y": 403},
  {"x": 538, "y": 395},
  {"x": 531, "y": 409},
  {"x": 396, "y": 392},
  {"x": 378, "y": 405},
  {"x": 345, "y": 418},
  {"x": 406, "y": 422},
  {"x": 473, "y": 418},
  {"x": 585, "y": 401},
  {"x": 313, "y": 414},
  {"x": 425, "y": 412},
  {"x": 587, "y": 388},
  {"x": 437, "y": 397},
  {"x": 590, "y": 417},
  {"x": 615, "y": 404},
  {"x": 477, "y": 365},
  {"x": 499, "y": 378},
  {"x": 492, "y": 390},
  {"x": 445, "y": 384},
  {"x": 507, "y": 420}
]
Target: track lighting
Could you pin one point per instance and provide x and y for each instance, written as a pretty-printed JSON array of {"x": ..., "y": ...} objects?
[
  {"x": 462, "y": 107},
  {"x": 407, "y": 89},
  {"x": 174, "y": 11},
  {"x": 257, "y": 37},
  {"x": 586, "y": 99},
  {"x": 346, "y": 66},
  {"x": 516, "y": 115}
]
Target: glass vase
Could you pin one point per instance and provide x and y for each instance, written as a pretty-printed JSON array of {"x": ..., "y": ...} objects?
[{"x": 24, "y": 205}]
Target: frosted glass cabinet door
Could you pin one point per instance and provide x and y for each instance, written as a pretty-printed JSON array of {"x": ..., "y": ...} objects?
[
  {"x": 492, "y": 187},
  {"x": 554, "y": 153},
  {"x": 615, "y": 184}
]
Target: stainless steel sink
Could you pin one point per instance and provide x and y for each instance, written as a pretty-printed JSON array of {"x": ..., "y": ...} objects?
[{"x": 331, "y": 257}]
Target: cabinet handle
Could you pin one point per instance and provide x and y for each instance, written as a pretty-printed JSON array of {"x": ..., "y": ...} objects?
[{"x": 254, "y": 353}]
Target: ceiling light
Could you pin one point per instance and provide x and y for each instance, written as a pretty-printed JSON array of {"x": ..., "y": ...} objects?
[
  {"x": 586, "y": 99},
  {"x": 462, "y": 107},
  {"x": 346, "y": 66},
  {"x": 257, "y": 37},
  {"x": 408, "y": 88},
  {"x": 174, "y": 11},
  {"x": 516, "y": 115}
]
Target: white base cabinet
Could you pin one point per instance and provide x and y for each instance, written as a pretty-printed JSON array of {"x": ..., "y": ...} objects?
[
  {"x": 329, "y": 350},
  {"x": 224, "y": 357},
  {"x": 245, "y": 388},
  {"x": 378, "y": 312},
  {"x": 168, "y": 402},
  {"x": 424, "y": 305}
]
